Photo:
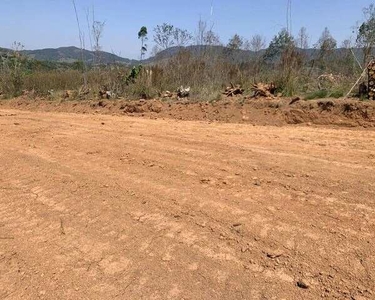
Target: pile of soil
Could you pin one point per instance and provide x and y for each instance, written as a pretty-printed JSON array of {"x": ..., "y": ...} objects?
[{"x": 279, "y": 111}]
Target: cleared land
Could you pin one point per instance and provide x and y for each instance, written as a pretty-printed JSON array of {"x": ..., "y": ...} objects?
[{"x": 106, "y": 207}]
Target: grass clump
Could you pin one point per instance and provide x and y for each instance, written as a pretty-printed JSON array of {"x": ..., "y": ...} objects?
[{"x": 321, "y": 94}]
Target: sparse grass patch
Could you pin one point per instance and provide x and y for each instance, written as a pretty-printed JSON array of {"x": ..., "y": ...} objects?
[{"x": 321, "y": 94}]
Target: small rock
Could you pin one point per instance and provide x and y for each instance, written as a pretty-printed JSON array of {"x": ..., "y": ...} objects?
[
  {"x": 205, "y": 181},
  {"x": 302, "y": 284},
  {"x": 294, "y": 100},
  {"x": 274, "y": 255}
]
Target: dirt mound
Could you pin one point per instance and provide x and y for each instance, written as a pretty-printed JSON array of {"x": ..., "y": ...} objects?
[{"x": 279, "y": 111}]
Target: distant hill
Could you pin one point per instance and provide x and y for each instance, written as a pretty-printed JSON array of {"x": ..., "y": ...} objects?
[
  {"x": 73, "y": 54},
  {"x": 214, "y": 51},
  {"x": 239, "y": 56}
]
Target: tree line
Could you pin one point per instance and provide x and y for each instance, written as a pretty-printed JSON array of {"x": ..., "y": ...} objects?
[{"x": 167, "y": 35}]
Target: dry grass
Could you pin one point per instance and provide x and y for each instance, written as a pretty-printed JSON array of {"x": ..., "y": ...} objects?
[{"x": 206, "y": 74}]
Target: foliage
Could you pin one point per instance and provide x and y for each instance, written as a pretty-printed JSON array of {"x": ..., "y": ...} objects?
[
  {"x": 12, "y": 72},
  {"x": 166, "y": 36},
  {"x": 281, "y": 42},
  {"x": 366, "y": 32},
  {"x": 210, "y": 38},
  {"x": 133, "y": 75},
  {"x": 142, "y": 35},
  {"x": 321, "y": 94},
  {"x": 326, "y": 42},
  {"x": 235, "y": 42}
]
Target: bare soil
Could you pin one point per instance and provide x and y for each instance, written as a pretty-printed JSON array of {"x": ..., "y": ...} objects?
[
  {"x": 280, "y": 111},
  {"x": 117, "y": 207}
]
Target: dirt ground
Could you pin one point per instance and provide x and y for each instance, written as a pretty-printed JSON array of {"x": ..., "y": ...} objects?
[
  {"x": 277, "y": 112},
  {"x": 117, "y": 207}
]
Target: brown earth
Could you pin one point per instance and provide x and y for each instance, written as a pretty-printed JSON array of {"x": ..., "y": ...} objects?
[
  {"x": 113, "y": 207},
  {"x": 280, "y": 111}
]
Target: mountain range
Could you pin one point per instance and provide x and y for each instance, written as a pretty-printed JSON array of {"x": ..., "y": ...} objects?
[{"x": 73, "y": 54}]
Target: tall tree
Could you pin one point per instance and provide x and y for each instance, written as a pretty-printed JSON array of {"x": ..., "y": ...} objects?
[
  {"x": 181, "y": 37},
  {"x": 257, "y": 43},
  {"x": 97, "y": 34},
  {"x": 142, "y": 35},
  {"x": 281, "y": 42},
  {"x": 326, "y": 43},
  {"x": 302, "y": 40},
  {"x": 201, "y": 32},
  {"x": 366, "y": 32},
  {"x": 235, "y": 42},
  {"x": 346, "y": 44},
  {"x": 164, "y": 35},
  {"x": 210, "y": 38},
  {"x": 326, "y": 46}
]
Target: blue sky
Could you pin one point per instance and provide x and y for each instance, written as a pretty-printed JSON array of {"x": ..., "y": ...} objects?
[{"x": 51, "y": 23}]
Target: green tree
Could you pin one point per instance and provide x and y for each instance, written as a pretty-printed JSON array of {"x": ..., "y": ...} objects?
[
  {"x": 281, "y": 42},
  {"x": 142, "y": 35},
  {"x": 326, "y": 46},
  {"x": 366, "y": 32},
  {"x": 326, "y": 42}
]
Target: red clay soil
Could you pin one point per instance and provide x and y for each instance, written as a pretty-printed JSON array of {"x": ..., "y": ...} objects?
[
  {"x": 237, "y": 110},
  {"x": 118, "y": 207}
]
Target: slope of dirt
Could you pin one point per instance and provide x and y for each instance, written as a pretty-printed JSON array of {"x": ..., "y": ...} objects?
[
  {"x": 237, "y": 110},
  {"x": 112, "y": 207}
]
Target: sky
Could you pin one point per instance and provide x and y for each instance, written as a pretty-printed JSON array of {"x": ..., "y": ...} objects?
[{"x": 51, "y": 23}]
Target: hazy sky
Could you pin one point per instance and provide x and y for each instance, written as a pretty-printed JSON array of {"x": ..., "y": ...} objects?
[{"x": 51, "y": 23}]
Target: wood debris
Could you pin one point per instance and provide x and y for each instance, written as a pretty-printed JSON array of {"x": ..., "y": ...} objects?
[
  {"x": 167, "y": 94},
  {"x": 263, "y": 90},
  {"x": 181, "y": 92},
  {"x": 233, "y": 90}
]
